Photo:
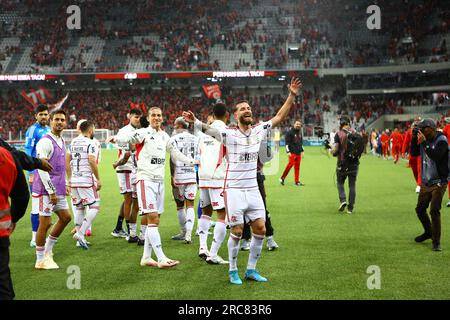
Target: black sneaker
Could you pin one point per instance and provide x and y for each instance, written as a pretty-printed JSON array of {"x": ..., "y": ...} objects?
[
  {"x": 133, "y": 239},
  {"x": 342, "y": 206},
  {"x": 422, "y": 237},
  {"x": 282, "y": 181},
  {"x": 140, "y": 242},
  {"x": 436, "y": 247}
]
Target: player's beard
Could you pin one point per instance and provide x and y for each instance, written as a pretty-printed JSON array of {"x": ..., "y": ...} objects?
[{"x": 246, "y": 120}]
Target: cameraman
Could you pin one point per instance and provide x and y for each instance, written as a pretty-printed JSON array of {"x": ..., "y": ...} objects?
[
  {"x": 432, "y": 146},
  {"x": 345, "y": 167}
]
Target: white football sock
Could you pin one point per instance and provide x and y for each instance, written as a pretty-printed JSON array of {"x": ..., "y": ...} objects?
[
  {"x": 132, "y": 229},
  {"x": 190, "y": 220},
  {"x": 78, "y": 217},
  {"x": 147, "y": 244},
  {"x": 203, "y": 227},
  {"x": 155, "y": 240},
  {"x": 49, "y": 243},
  {"x": 33, "y": 236},
  {"x": 256, "y": 245},
  {"x": 90, "y": 217},
  {"x": 220, "y": 230},
  {"x": 233, "y": 250},
  {"x": 143, "y": 230},
  {"x": 182, "y": 220},
  {"x": 40, "y": 253}
]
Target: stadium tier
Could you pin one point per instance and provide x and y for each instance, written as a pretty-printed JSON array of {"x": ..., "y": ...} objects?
[
  {"x": 153, "y": 102},
  {"x": 219, "y": 35}
]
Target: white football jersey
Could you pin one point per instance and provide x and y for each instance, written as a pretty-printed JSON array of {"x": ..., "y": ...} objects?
[
  {"x": 187, "y": 144},
  {"x": 80, "y": 149},
  {"x": 211, "y": 170},
  {"x": 242, "y": 152},
  {"x": 151, "y": 148},
  {"x": 127, "y": 147}
]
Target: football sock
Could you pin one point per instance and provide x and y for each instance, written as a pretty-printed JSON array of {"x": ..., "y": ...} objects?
[
  {"x": 182, "y": 220},
  {"x": 49, "y": 243},
  {"x": 155, "y": 240},
  {"x": 203, "y": 227},
  {"x": 255, "y": 251},
  {"x": 220, "y": 230},
  {"x": 233, "y": 250},
  {"x": 190, "y": 219}
]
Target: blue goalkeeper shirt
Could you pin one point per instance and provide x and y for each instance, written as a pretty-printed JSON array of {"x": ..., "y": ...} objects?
[{"x": 32, "y": 137}]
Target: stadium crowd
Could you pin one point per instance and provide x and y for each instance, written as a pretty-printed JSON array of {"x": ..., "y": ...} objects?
[{"x": 186, "y": 38}]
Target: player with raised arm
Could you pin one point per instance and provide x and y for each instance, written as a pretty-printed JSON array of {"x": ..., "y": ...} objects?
[
  {"x": 152, "y": 143},
  {"x": 184, "y": 184},
  {"x": 243, "y": 200},
  {"x": 32, "y": 137},
  {"x": 81, "y": 167}
]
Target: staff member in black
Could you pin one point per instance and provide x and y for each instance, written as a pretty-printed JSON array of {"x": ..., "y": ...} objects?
[
  {"x": 432, "y": 146},
  {"x": 346, "y": 168},
  {"x": 294, "y": 149},
  {"x": 14, "y": 186}
]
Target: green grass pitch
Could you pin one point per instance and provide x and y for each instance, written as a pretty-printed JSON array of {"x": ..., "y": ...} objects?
[{"x": 323, "y": 254}]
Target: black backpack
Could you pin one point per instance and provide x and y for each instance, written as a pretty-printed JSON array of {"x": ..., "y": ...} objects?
[{"x": 355, "y": 147}]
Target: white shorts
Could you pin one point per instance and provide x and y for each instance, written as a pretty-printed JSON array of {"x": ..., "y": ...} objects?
[
  {"x": 185, "y": 192},
  {"x": 150, "y": 196},
  {"x": 244, "y": 204},
  {"x": 213, "y": 197},
  {"x": 41, "y": 204},
  {"x": 84, "y": 196},
  {"x": 127, "y": 183}
]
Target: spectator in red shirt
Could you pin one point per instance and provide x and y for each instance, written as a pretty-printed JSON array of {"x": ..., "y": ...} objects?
[
  {"x": 397, "y": 141},
  {"x": 385, "y": 139}
]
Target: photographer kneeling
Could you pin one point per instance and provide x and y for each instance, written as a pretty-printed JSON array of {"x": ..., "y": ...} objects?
[
  {"x": 432, "y": 146},
  {"x": 348, "y": 147}
]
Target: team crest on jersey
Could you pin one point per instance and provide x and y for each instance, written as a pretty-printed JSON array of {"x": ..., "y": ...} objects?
[
  {"x": 215, "y": 204},
  {"x": 233, "y": 219}
]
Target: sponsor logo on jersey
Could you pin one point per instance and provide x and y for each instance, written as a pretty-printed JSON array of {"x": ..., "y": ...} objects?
[
  {"x": 157, "y": 161},
  {"x": 248, "y": 157}
]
